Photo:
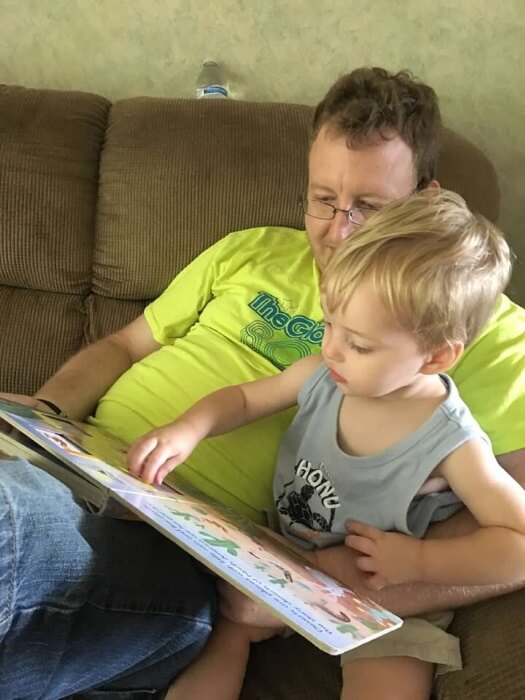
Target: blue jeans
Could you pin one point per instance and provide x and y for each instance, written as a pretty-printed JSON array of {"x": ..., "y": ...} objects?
[{"x": 88, "y": 603}]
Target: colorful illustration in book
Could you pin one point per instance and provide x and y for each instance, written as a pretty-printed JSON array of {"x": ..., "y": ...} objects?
[
  {"x": 67, "y": 444},
  {"x": 251, "y": 548}
]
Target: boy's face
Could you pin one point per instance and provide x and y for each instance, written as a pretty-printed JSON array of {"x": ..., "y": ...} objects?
[
  {"x": 367, "y": 352},
  {"x": 346, "y": 177}
]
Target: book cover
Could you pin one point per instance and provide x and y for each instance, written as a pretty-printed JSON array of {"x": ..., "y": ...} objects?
[{"x": 328, "y": 614}]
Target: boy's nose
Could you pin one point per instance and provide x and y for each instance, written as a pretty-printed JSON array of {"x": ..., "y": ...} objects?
[{"x": 330, "y": 348}]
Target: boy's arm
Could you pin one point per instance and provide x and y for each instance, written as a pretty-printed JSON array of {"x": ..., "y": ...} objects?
[
  {"x": 463, "y": 523},
  {"x": 415, "y": 598},
  {"x": 495, "y": 552},
  {"x": 256, "y": 399},
  {"x": 154, "y": 455}
]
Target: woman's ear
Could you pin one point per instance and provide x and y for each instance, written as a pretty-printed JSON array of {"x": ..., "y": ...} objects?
[{"x": 443, "y": 358}]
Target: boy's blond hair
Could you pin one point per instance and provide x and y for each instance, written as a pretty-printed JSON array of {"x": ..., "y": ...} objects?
[{"x": 436, "y": 266}]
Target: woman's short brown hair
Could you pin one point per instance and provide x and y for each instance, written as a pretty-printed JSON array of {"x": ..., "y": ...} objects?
[{"x": 371, "y": 102}]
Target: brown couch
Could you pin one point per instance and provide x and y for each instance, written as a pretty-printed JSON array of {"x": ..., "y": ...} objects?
[{"x": 101, "y": 205}]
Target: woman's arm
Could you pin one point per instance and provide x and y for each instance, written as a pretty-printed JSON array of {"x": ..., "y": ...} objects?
[{"x": 79, "y": 384}]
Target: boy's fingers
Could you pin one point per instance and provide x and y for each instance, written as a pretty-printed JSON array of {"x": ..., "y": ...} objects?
[
  {"x": 375, "y": 582},
  {"x": 138, "y": 453},
  {"x": 168, "y": 466},
  {"x": 154, "y": 461},
  {"x": 361, "y": 544},
  {"x": 366, "y": 564},
  {"x": 363, "y": 530},
  {"x": 161, "y": 457}
]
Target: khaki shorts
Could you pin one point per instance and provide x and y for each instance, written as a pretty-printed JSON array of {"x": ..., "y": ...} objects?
[{"x": 423, "y": 638}]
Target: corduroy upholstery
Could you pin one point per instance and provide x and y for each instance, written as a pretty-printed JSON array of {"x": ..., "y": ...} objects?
[{"x": 101, "y": 205}]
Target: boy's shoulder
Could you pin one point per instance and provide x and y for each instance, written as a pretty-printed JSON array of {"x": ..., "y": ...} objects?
[{"x": 455, "y": 411}]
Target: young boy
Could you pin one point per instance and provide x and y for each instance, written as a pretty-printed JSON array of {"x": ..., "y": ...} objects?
[{"x": 381, "y": 438}]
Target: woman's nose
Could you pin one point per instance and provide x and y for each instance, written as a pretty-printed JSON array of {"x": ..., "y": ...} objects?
[{"x": 340, "y": 228}]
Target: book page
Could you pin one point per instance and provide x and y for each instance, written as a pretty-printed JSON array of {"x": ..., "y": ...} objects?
[{"x": 328, "y": 614}]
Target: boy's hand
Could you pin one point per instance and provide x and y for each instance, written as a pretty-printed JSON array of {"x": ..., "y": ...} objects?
[
  {"x": 389, "y": 557},
  {"x": 153, "y": 456}
]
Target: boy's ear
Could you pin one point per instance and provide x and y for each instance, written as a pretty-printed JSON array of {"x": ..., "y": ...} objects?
[
  {"x": 442, "y": 359},
  {"x": 433, "y": 185}
]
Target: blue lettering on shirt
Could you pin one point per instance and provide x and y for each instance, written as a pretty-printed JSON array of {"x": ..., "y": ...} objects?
[
  {"x": 279, "y": 336},
  {"x": 267, "y": 307}
]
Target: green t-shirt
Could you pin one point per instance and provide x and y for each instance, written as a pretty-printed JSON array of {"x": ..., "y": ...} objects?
[
  {"x": 490, "y": 376},
  {"x": 247, "y": 307}
]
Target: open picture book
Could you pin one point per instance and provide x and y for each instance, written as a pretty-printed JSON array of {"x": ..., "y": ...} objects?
[{"x": 93, "y": 465}]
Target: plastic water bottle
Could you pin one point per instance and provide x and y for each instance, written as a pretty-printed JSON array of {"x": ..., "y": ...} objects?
[{"x": 211, "y": 83}]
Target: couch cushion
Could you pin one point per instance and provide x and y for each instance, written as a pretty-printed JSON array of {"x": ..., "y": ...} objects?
[
  {"x": 108, "y": 315},
  {"x": 49, "y": 148},
  {"x": 463, "y": 168},
  {"x": 493, "y": 650},
  {"x": 176, "y": 175},
  {"x": 291, "y": 669},
  {"x": 49, "y": 152},
  {"x": 40, "y": 331}
]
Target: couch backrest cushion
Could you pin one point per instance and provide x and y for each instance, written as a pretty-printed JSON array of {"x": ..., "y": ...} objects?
[
  {"x": 50, "y": 144},
  {"x": 176, "y": 175},
  {"x": 49, "y": 152},
  {"x": 464, "y": 168}
]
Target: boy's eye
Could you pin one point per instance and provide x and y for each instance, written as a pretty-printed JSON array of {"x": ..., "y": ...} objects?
[{"x": 360, "y": 349}]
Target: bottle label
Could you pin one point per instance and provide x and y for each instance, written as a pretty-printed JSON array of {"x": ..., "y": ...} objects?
[{"x": 215, "y": 90}]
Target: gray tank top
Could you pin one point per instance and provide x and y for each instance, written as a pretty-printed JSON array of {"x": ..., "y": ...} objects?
[{"x": 318, "y": 487}]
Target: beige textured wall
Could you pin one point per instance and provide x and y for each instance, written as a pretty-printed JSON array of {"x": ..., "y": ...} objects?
[{"x": 471, "y": 51}]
